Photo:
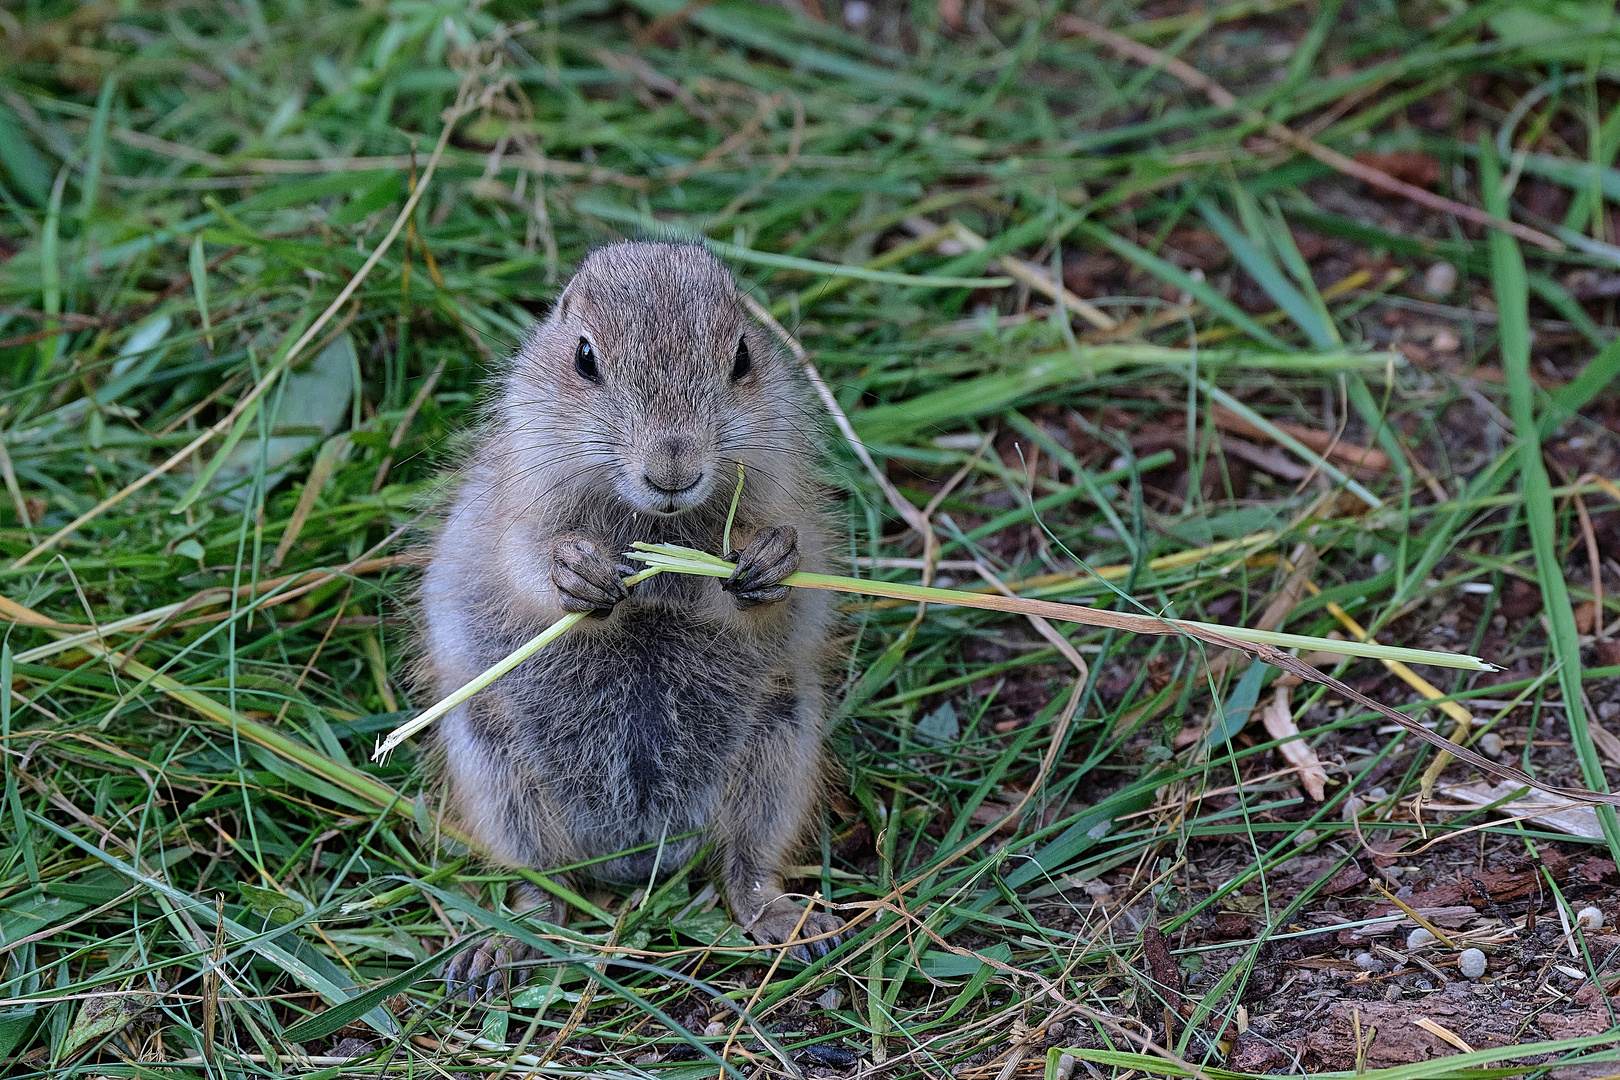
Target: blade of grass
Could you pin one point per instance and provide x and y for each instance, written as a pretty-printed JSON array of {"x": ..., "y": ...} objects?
[
  {"x": 293, "y": 351},
  {"x": 689, "y": 561},
  {"x": 1513, "y": 302},
  {"x": 1185, "y": 282},
  {"x": 1269, "y": 276},
  {"x": 1277, "y": 434}
]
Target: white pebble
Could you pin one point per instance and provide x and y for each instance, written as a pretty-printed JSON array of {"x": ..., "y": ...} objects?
[
  {"x": 1590, "y": 918},
  {"x": 1445, "y": 341},
  {"x": 1306, "y": 838},
  {"x": 1440, "y": 279},
  {"x": 1368, "y": 962},
  {"x": 857, "y": 12},
  {"x": 1471, "y": 962},
  {"x": 1490, "y": 744},
  {"x": 1419, "y": 938}
]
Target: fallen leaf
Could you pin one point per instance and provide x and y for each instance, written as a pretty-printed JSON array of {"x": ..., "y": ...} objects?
[
  {"x": 1447, "y": 918},
  {"x": 311, "y": 404},
  {"x": 1271, "y": 461},
  {"x": 1364, "y": 460},
  {"x": 1279, "y": 720},
  {"x": 1565, "y": 815},
  {"x": 1411, "y": 166},
  {"x": 102, "y": 1015}
]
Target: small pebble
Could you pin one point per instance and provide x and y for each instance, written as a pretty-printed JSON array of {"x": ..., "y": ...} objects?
[
  {"x": 1440, "y": 279},
  {"x": 1471, "y": 962},
  {"x": 1490, "y": 744},
  {"x": 1419, "y": 938},
  {"x": 1589, "y": 918},
  {"x": 1445, "y": 341},
  {"x": 1306, "y": 838},
  {"x": 1366, "y": 961},
  {"x": 857, "y": 12}
]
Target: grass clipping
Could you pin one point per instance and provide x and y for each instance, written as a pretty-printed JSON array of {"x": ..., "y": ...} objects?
[{"x": 1261, "y": 644}]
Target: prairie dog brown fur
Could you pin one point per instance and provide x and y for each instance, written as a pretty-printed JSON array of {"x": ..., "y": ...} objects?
[{"x": 688, "y": 704}]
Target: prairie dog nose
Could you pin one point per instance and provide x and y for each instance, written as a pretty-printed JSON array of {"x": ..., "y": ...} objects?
[{"x": 674, "y": 466}]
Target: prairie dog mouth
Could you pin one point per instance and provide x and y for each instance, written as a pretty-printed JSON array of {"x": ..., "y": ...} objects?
[
  {"x": 648, "y": 496},
  {"x": 662, "y": 490}
]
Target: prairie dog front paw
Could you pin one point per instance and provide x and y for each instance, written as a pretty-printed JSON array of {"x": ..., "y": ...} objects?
[
  {"x": 772, "y": 555},
  {"x": 586, "y": 578}
]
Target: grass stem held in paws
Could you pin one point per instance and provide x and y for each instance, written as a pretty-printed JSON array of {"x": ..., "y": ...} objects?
[
  {"x": 1264, "y": 645},
  {"x": 668, "y": 558},
  {"x": 517, "y": 656}
]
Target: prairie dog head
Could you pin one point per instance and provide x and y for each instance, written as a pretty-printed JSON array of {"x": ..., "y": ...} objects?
[{"x": 649, "y": 383}]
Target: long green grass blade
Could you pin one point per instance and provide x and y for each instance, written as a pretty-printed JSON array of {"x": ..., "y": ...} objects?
[{"x": 1513, "y": 298}]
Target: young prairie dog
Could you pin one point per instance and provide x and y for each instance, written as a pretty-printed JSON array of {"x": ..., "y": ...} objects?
[{"x": 686, "y": 705}]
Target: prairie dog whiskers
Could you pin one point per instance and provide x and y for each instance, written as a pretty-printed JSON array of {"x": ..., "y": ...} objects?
[{"x": 685, "y": 705}]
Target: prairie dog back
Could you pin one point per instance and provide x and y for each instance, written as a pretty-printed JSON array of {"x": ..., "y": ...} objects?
[{"x": 686, "y": 705}]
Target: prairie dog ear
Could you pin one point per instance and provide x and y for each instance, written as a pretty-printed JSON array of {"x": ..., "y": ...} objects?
[{"x": 566, "y": 301}]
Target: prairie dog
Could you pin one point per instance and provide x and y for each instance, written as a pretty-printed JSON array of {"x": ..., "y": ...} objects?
[{"x": 687, "y": 705}]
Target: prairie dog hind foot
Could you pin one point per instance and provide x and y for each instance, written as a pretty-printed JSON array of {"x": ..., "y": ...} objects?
[
  {"x": 490, "y": 969},
  {"x": 778, "y": 920},
  {"x": 500, "y": 963}
]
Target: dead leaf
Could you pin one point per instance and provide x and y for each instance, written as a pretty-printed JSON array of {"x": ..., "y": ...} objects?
[
  {"x": 1271, "y": 461},
  {"x": 1362, "y": 459},
  {"x": 1411, "y": 166},
  {"x": 1396, "y": 1039},
  {"x": 1478, "y": 889},
  {"x": 1607, "y": 741},
  {"x": 1279, "y": 720},
  {"x": 102, "y": 1015},
  {"x": 1565, "y": 815},
  {"x": 1448, "y": 918}
]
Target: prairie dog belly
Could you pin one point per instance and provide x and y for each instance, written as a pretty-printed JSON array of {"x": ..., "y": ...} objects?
[{"x": 626, "y": 732}]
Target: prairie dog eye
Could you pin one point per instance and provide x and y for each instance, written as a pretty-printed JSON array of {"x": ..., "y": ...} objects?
[
  {"x": 585, "y": 362},
  {"x": 744, "y": 363}
]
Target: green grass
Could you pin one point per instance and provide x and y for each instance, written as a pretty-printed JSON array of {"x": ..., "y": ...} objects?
[{"x": 258, "y": 261}]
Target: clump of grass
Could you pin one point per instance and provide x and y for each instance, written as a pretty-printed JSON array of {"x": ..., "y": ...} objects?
[{"x": 1110, "y": 340}]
